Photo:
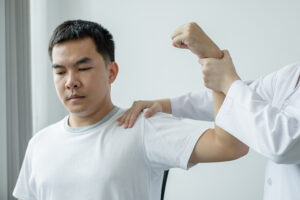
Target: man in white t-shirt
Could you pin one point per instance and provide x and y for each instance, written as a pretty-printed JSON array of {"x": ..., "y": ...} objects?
[{"x": 87, "y": 155}]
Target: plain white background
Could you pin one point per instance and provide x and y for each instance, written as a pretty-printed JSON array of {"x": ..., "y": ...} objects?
[{"x": 262, "y": 36}]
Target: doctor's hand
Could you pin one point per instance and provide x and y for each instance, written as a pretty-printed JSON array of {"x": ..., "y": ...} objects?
[
  {"x": 191, "y": 36},
  {"x": 130, "y": 116},
  {"x": 219, "y": 74}
]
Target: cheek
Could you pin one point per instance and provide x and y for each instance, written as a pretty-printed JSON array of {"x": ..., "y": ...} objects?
[
  {"x": 98, "y": 85},
  {"x": 59, "y": 84}
]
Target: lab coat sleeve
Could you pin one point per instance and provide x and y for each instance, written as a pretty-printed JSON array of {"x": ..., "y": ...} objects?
[
  {"x": 197, "y": 105},
  {"x": 194, "y": 105},
  {"x": 249, "y": 115}
]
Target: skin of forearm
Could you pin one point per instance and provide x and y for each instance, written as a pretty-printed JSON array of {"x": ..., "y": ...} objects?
[
  {"x": 224, "y": 136},
  {"x": 231, "y": 144},
  {"x": 166, "y": 105},
  {"x": 214, "y": 52},
  {"x": 211, "y": 51}
]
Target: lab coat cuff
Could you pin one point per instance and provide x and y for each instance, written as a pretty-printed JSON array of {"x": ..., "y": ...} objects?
[
  {"x": 224, "y": 111},
  {"x": 175, "y": 105},
  {"x": 235, "y": 88}
]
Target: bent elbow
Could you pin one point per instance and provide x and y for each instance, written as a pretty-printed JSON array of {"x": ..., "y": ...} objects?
[
  {"x": 238, "y": 152},
  {"x": 242, "y": 151}
]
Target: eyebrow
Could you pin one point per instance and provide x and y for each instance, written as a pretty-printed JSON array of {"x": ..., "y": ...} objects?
[
  {"x": 83, "y": 60},
  {"x": 56, "y": 66}
]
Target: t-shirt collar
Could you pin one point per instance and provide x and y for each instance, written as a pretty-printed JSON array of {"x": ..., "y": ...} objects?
[{"x": 86, "y": 128}]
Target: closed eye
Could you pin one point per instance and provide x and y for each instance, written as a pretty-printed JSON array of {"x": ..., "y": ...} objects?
[
  {"x": 84, "y": 69},
  {"x": 60, "y": 73}
]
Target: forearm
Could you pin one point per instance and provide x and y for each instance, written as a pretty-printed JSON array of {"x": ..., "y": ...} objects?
[
  {"x": 231, "y": 145},
  {"x": 222, "y": 136},
  {"x": 217, "y": 145},
  {"x": 213, "y": 52}
]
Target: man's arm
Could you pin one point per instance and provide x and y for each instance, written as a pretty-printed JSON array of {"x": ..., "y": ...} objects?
[{"x": 216, "y": 144}]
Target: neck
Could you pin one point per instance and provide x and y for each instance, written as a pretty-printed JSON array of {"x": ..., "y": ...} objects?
[{"x": 78, "y": 120}]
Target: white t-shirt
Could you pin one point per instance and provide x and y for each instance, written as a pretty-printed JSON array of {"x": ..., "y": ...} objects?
[{"x": 104, "y": 161}]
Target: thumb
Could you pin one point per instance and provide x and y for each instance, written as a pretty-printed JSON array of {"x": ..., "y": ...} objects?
[
  {"x": 178, "y": 42},
  {"x": 149, "y": 113},
  {"x": 152, "y": 110},
  {"x": 226, "y": 54},
  {"x": 201, "y": 61},
  {"x": 204, "y": 61}
]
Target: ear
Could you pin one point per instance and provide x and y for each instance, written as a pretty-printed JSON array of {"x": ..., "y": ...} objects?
[{"x": 113, "y": 70}]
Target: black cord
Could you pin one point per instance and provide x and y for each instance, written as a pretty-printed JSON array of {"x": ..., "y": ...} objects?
[{"x": 163, "y": 187}]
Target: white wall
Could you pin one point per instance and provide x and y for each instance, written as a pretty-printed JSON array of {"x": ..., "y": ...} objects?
[{"x": 262, "y": 36}]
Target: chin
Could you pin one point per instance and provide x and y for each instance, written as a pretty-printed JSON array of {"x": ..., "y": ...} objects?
[{"x": 77, "y": 111}]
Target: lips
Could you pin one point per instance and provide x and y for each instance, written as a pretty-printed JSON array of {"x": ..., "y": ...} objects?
[{"x": 75, "y": 97}]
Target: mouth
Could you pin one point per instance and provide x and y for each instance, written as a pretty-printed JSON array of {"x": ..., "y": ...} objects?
[{"x": 75, "y": 97}]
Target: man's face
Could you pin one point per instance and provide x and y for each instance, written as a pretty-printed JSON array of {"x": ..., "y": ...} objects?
[{"x": 81, "y": 78}]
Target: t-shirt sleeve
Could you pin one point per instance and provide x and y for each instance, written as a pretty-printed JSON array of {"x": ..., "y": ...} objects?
[
  {"x": 23, "y": 190},
  {"x": 169, "y": 141}
]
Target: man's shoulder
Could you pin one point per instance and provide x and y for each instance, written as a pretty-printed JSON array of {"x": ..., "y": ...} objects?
[
  {"x": 50, "y": 129},
  {"x": 158, "y": 117},
  {"x": 165, "y": 120}
]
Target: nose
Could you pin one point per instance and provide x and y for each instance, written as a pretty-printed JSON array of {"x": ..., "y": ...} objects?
[{"x": 72, "y": 82}]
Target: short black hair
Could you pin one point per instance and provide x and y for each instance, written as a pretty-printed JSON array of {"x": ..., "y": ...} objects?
[{"x": 79, "y": 29}]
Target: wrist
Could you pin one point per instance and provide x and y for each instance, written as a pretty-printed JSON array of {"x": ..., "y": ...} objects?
[
  {"x": 165, "y": 105},
  {"x": 228, "y": 84},
  {"x": 210, "y": 53}
]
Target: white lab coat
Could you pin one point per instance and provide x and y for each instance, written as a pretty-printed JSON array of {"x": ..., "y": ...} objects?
[{"x": 264, "y": 115}]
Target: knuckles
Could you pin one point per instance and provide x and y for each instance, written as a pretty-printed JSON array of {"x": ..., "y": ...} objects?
[
  {"x": 190, "y": 27},
  {"x": 136, "y": 103}
]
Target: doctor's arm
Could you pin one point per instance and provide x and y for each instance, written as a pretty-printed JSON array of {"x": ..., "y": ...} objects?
[
  {"x": 267, "y": 129},
  {"x": 249, "y": 115}
]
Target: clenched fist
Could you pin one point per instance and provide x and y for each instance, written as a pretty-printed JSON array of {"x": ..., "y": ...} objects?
[{"x": 191, "y": 36}]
